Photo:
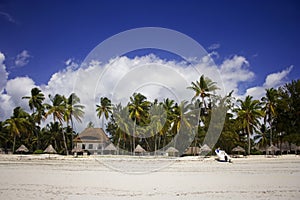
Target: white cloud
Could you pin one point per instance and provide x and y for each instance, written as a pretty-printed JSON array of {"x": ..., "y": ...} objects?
[
  {"x": 3, "y": 73},
  {"x": 15, "y": 89},
  {"x": 70, "y": 63},
  {"x": 234, "y": 71},
  {"x": 276, "y": 79},
  {"x": 122, "y": 76},
  {"x": 214, "y": 46},
  {"x": 22, "y": 59},
  {"x": 19, "y": 87},
  {"x": 7, "y": 17},
  {"x": 273, "y": 80}
]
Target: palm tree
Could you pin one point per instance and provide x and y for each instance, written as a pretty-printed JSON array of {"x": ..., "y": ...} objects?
[
  {"x": 104, "y": 109},
  {"x": 157, "y": 122},
  {"x": 73, "y": 109},
  {"x": 184, "y": 126},
  {"x": 35, "y": 102},
  {"x": 18, "y": 124},
  {"x": 138, "y": 108},
  {"x": 124, "y": 124},
  {"x": 36, "y": 99},
  {"x": 203, "y": 88},
  {"x": 270, "y": 101},
  {"x": 249, "y": 112},
  {"x": 57, "y": 110}
]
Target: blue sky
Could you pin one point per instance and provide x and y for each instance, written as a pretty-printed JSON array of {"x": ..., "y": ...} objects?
[
  {"x": 38, "y": 37},
  {"x": 266, "y": 32}
]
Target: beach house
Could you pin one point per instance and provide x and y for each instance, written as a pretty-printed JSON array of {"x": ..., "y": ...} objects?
[{"x": 93, "y": 140}]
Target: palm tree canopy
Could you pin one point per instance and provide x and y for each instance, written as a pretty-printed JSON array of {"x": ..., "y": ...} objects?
[
  {"x": 36, "y": 99},
  {"x": 57, "y": 109},
  {"x": 105, "y": 107},
  {"x": 203, "y": 87},
  {"x": 73, "y": 108},
  {"x": 138, "y": 107},
  {"x": 249, "y": 111},
  {"x": 269, "y": 102}
]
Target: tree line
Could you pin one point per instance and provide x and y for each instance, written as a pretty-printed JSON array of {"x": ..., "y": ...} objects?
[{"x": 271, "y": 120}]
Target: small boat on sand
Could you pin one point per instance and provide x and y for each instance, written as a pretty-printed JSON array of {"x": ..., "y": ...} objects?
[{"x": 222, "y": 156}]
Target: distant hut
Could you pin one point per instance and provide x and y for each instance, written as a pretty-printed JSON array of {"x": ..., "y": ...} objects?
[
  {"x": 285, "y": 148},
  {"x": 238, "y": 150},
  {"x": 172, "y": 151},
  {"x": 272, "y": 150},
  {"x": 22, "y": 149},
  {"x": 50, "y": 150},
  {"x": 294, "y": 148},
  {"x": 205, "y": 149},
  {"x": 110, "y": 149},
  {"x": 298, "y": 150},
  {"x": 192, "y": 151},
  {"x": 139, "y": 150}
]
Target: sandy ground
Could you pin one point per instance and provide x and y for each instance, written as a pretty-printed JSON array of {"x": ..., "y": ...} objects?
[{"x": 256, "y": 177}]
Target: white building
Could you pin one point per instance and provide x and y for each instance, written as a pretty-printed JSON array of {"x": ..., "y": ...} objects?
[{"x": 94, "y": 140}]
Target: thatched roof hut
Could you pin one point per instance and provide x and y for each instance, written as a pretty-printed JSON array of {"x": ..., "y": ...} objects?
[
  {"x": 50, "y": 149},
  {"x": 294, "y": 147},
  {"x": 205, "y": 148},
  {"x": 139, "y": 150},
  {"x": 22, "y": 149},
  {"x": 172, "y": 151},
  {"x": 272, "y": 149},
  {"x": 238, "y": 149},
  {"x": 285, "y": 147},
  {"x": 92, "y": 135},
  {"x": 110, "y": 147},
  {"x": 192, "y": 151}
]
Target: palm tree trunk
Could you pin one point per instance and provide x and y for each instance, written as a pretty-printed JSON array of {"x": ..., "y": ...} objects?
[
  {"x": 65, "y": 142},
  {"x": 72, "y": 125},
  {"x": 249, "y": 142},
  {"x": 155, "y": 144},
  {"x": 14, "y": 143},
  {"x": 271, "y": 133},
  {"x": 133, "y": 138}
]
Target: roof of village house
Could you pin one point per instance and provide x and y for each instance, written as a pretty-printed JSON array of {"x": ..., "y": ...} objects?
[{"x": 92, "y": 135}]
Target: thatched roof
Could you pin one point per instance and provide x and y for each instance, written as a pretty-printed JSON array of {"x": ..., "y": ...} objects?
[
  {"x": 293, "y": 147},
  {"x": 238, "y": 149},
  {"x": 77, "y": 150},
  {"x": 50, "y": 149},
  {"x": 192, "y": 150},
  {"x": 110, "y": 147},
  {"x": 285, "y": 146},
  {"x": 273, "y": 148},
  {"x": 172, "y": 150},
  {"x": 139, "y": 149},
  {"x": 92, "y": 135},
  {"x": 205, "y": 148},
  {"x": 22, "y": 148}
]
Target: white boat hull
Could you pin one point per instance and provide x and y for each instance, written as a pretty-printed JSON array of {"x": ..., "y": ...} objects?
[{"x": 222, "y": 156}]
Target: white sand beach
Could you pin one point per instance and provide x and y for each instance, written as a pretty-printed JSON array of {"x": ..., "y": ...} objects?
[{"x": 255, "y": 177}]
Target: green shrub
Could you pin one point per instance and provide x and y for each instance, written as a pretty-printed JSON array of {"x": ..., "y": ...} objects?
[{"x": 38, "y": 151}]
